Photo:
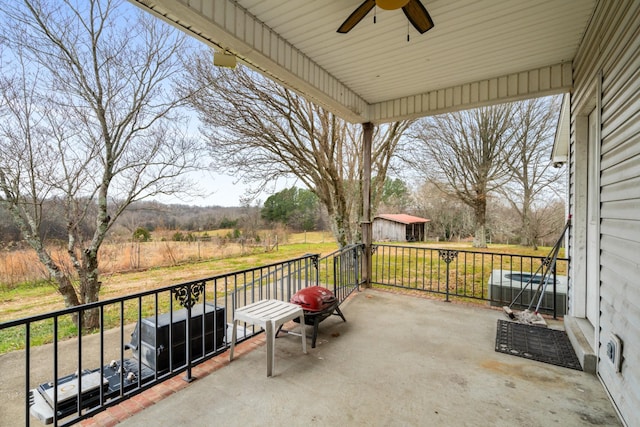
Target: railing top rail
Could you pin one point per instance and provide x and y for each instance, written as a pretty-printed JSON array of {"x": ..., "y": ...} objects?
[
  {"x": 98, "y": 304},
  {"x": 344, "y": 249},
  {"x": 471, "y": 251}
]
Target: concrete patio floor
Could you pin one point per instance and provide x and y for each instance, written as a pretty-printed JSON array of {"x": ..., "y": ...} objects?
[{"x": 399, "y": 360}]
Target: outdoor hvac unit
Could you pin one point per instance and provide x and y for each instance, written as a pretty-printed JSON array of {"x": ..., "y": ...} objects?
[
  {"x": 154, "y": 338},
  {"x": 505, "y": 285}
]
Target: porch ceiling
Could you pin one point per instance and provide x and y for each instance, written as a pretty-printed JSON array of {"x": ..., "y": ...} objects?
[{"x": 478, "y": 53}]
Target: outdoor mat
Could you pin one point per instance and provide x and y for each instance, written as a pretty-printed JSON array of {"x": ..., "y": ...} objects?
[{"x": 536, "y": 343}]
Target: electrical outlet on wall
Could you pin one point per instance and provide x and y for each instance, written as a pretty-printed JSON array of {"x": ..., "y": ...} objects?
[{"x": 614, "y": 351}]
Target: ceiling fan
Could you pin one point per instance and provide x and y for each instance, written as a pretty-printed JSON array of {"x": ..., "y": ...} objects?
[{"x": 413, "y": 9}]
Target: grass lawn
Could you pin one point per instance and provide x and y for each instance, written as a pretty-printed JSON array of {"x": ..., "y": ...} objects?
[{"x": 28, "y": 299}]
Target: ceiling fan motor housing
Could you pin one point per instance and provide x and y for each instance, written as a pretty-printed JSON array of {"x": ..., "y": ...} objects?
[{"x": 391, "y": 4}]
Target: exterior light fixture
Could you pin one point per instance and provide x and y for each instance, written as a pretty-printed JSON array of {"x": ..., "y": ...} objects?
[{"x": 224, "y": 59}]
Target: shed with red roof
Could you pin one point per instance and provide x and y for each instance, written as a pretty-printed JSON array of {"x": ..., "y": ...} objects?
[{"x": 399, "y": 228}]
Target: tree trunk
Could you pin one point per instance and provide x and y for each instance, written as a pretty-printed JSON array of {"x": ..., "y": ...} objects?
[
  {"x": 340, "y": 230},
  {"x": 68, "y": 292},
  {"x": 90, "y": 289},
  {"x": 480, "y": 211}
]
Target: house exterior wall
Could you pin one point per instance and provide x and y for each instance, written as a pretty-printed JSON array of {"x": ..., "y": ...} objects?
[
  {"x": 607, "y": 78},
  {"x": 384, "y": 229}
]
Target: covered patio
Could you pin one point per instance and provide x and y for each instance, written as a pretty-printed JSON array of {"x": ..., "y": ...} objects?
[
  {"x": 480, "y": 53},
  {"x": 401, "y": 360},
  {"x": 398, "y": 360}
]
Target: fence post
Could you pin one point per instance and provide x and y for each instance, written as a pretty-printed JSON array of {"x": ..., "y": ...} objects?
[
  {"x": 315, "y": 259},
  {"x": 447, "y": 256},
  {"x": 336, "y": 262},
  {"x": 356, "y": 264}
]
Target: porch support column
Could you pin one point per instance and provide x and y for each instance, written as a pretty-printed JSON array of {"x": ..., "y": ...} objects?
[{"x": 367, "y": 235}]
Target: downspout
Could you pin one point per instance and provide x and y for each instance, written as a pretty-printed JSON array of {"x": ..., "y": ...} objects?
[{"x": 367, "y": 235}]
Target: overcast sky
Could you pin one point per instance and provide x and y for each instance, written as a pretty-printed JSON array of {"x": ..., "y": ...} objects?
[{"x": 222, "y": 190}]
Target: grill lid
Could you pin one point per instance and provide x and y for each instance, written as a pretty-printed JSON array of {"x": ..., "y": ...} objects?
[{"x": 314, "y": 298}]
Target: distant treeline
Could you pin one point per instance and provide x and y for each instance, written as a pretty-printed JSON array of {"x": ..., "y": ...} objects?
[{"x": 149, "y": 215}]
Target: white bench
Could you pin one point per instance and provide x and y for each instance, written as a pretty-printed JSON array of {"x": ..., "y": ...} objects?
[{"x": 270, "y": 315}]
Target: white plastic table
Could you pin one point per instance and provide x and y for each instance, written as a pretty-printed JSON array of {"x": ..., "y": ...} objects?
[{"x": 270, "y": 315}]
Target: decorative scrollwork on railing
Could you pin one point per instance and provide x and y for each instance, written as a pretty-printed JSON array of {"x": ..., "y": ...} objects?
[
  {"x": 448, "y": 255},
  {"x": 374, "y": 249},
  {"x": 546, "y": 261},
  {"x": 315, "y": 259},
  {"x": 188, "y": 294}
]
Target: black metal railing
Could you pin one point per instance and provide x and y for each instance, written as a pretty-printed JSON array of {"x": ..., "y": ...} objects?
[
  {"x": 148, "y": 337},
  {"x": 345, "y": 276},
  {"x": 500, "y": 279}
]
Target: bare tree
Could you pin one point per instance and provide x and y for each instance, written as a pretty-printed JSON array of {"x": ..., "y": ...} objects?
[
  {"x": 534, "y": 183},
  {"x": 467, "y": 150},
  {"x": 260, "y": 131},
  {"x": 449, "y": 218},
  {"x": 90, "y": 122},
  {"x": 546, "y": 222}
]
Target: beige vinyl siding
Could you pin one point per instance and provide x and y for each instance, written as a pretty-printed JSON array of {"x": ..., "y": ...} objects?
[{"x": 611, "y": 49}]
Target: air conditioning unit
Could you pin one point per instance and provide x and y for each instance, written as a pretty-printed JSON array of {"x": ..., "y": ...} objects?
[{"x": 505, "y": 285}]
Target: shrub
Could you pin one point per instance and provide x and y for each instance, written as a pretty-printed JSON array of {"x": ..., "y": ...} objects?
[{"x": 141, "y": 235}]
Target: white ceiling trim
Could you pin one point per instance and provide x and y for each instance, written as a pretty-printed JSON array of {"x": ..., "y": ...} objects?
[
  {"x": 225, "y": 25},
  {"x": 551, "y": 80}
]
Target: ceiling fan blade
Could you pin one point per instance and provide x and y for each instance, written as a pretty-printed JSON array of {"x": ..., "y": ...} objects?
[
  {"x": 418, "y": 16},
  {"x": 357, "y": 16}
]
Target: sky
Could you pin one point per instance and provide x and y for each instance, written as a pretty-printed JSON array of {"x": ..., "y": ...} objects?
[{"x": 223, "y": 190}]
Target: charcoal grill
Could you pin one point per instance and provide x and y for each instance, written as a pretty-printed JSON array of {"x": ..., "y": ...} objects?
[
  {"x": 110, "y": 385},
  {"x": 318, "y": 303}
]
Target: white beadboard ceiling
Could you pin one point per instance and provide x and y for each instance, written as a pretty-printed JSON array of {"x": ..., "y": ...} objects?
[{"x": 479, "y": 52}]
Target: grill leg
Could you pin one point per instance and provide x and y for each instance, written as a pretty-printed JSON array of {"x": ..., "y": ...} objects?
[{"x": 316, "y": 321}]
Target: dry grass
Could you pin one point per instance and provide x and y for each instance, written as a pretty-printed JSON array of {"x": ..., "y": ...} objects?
[
  {"x": 129, "y": 268},
  {"x": 22, "y": 266}
]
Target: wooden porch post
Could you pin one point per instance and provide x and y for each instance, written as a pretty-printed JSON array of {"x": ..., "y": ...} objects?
[{"x": 367, "y": 235}]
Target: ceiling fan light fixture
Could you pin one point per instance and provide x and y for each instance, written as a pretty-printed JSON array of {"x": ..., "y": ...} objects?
[
  {"x": 414, "y": 10},
  {"x": 391, "y": 4}
]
